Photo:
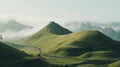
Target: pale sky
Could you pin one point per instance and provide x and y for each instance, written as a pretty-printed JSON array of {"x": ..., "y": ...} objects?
[{"x": 35, "y": 12}]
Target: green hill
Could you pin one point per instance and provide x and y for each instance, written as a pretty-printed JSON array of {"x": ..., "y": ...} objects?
[
  {"x": 115, "y": 64},
  {"x": 7, "y": 52},
  {"x": 85, "y": 41},
  {"x": 45, "y": 35},
  {"x": 61, "y": 46},
  {"x": 11, "y": 57}
]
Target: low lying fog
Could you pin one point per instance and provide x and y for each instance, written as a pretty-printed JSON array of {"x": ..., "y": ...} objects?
[{"x": 73, "y": 26}]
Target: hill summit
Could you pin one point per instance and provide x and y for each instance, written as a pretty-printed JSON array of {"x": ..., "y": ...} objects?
[
  {"x": 49, "y": 31},
  {"x": 54, "y": 28}
]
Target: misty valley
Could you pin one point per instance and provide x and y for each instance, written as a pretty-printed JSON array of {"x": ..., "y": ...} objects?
[{"x": 72, "y": 44}]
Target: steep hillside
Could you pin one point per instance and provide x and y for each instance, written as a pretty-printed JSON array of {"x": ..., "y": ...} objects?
[
  {"x": 11, "y": 57},
  {"x": 49, "y": 32},
  {"x": 7, "y": 52},
  {"x": 51, "y": 28}
]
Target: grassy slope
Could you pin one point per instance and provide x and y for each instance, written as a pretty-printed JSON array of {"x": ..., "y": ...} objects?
[
  {"x": 11, "y": 57},
  {"x": 61, "y": 43},
  {"x": 7, "y": 52},
  {"x": 115, "y": 64},
  {"x": 48, "y": 33},
  {"x": 84, "y": 41}
]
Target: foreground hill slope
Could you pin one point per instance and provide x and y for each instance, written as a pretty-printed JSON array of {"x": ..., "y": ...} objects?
[
  {"x": 7, "y": 52},
  {"x": 11, "y": 57}
]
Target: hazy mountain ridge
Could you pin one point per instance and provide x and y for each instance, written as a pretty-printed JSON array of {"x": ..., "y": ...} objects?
[
  {"x": 107, "y": 28},
  {"x": 13, "y": 26}
]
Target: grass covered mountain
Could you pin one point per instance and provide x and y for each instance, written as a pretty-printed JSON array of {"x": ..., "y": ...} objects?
[
  {"x": 13, "y": 26},
  {"x": 61, "y": 46},
  {"x": 49, "y": 32}
]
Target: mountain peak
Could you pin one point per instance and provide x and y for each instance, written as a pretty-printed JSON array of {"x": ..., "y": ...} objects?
[
  {"x": 13, "y": 25},
  {"x": 12, "y": 21},
  {"x": 56, "y": 28},
  {"x": 51, "y": 28},
  {"x": 52, "y": 22}
]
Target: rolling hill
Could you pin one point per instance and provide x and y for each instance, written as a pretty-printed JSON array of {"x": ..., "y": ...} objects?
[
  {"x": 55, "y": 38},
  {"x": 85, "y": 41},
  {"x": 49, "y": 32},
  {"x": 61, "y": 46}
]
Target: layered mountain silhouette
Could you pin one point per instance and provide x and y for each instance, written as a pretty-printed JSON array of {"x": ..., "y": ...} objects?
[
  {"x": 13, "y": 26},
  {"x": 56, "y": 40},
  {"x": 107, "y": 29}
]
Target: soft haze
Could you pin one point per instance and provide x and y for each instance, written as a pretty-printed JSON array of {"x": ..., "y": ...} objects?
[{"x": 36, "y": 12}]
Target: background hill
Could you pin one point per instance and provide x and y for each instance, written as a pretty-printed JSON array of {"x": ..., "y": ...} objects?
[
  {"x": 111, "y": 29},
  {"x": 13, "y": 26}
]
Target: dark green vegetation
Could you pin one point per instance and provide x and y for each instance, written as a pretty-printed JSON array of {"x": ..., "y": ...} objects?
[
  {"x": 61, "y": 48},
  {"x": 11, "y": 57}
]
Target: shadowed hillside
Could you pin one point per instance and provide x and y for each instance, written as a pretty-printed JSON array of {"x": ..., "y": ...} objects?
[
  {"x": 11, "y": 57},
  {"x": 7, "y": 52}
]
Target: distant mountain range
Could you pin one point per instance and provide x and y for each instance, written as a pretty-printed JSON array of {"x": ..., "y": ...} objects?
[
  {"x": 13, "y": 26},
  {"x": 110, "y": 29}
]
